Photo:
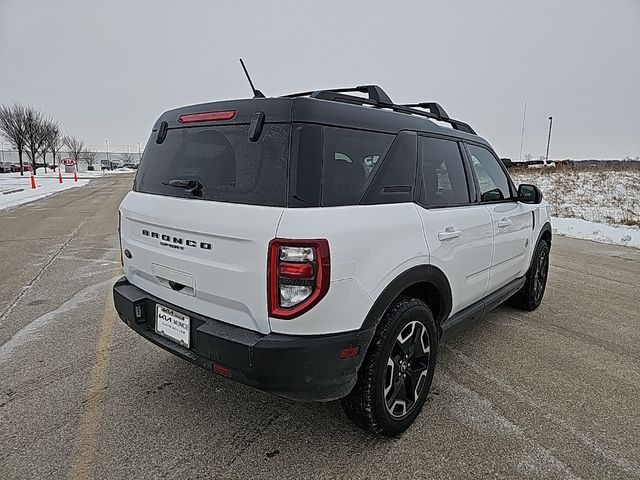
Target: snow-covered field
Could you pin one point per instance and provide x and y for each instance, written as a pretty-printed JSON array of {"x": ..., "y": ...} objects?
[{"x": 598, "y": 205}]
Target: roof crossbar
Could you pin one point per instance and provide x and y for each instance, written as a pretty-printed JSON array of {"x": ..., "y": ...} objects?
[
  {"x": 433, "y": 107},
  {"x": 379, "y": 99},
  {"x": 373, "y": 91}
]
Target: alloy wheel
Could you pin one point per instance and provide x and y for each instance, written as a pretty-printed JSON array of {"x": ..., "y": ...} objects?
[
  {"x": 540, "y": 278},
  {"x": 407, "y": 369}
]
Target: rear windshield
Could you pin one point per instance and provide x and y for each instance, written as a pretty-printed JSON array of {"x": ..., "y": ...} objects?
[{"x": 227, "y": 164}]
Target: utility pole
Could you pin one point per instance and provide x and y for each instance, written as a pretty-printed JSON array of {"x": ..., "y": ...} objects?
[
  {"x": 524, "y": 116},
  {"x": 128, "y": 148},
  {"x": 2, "y": 150},
  {"x": 106, "y": 144},
  {"x": 139, "y": 154},
  {"x": 549, "y": 138}
]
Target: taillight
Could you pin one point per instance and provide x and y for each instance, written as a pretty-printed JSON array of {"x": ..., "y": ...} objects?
[
  {"x": 120, "y": 237},
  {"x": 207, "y": 116},
  {"x": 298, "y": 274}
]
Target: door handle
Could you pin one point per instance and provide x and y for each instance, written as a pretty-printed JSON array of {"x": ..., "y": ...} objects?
[
  {"x": 449, "y": 233},
  {"x": 504, "y": 222}
]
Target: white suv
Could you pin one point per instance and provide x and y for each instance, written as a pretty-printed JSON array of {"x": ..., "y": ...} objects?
[{"x": 321, "y": 245}]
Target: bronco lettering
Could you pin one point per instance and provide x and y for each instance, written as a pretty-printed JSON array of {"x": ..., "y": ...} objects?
[{"x": 170, "y": 241}]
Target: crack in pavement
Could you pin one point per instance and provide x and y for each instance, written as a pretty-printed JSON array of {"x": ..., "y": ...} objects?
[{"x": 43, "y": 269}]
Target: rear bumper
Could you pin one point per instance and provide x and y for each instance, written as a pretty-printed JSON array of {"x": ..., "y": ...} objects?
[{"x": 306, "y": 368}]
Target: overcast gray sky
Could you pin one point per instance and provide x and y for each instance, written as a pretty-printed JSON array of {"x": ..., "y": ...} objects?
[{"x": 107, "y": 69}]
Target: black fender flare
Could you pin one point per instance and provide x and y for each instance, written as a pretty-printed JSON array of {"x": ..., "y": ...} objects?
[
  {"x": 545, "y": 228},
  {"x": 418, "y": 274}
]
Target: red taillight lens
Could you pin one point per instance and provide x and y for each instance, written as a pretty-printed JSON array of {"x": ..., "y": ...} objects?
[
  {"x": 296, "y": 270},
  {"x": 298, "y": 276},
  {"x": 207, "y": 116}
]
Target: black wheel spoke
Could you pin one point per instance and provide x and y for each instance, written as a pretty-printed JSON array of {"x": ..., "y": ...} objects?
[
  {"x": 414, "y": 376},
  {"x": 398, "y": 393}
]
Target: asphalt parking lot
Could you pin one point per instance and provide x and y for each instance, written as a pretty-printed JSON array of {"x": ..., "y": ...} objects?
[{"x": 548, "y": 394}]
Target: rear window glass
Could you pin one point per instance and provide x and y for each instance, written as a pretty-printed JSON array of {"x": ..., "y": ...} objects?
[{"x": 229, "y": 166}]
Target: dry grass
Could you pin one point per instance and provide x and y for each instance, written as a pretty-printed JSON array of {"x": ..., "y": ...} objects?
[{"x": 609, "y": 195}]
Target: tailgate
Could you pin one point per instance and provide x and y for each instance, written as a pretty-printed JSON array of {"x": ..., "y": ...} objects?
[{"x": 204, "y": 256}]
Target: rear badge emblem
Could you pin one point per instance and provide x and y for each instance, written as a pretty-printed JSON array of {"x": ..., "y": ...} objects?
[{"x": 178, "y": 243}]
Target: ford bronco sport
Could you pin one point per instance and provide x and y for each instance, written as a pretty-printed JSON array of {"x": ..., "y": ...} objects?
[{"x": 321, "y": 245}]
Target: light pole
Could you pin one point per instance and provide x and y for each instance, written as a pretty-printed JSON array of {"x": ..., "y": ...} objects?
[
  {"x": 128, "y": 148},
  {"x": 2, "y": 150},
  {"x": 524, "y": 116},
  {"x": 106, "y": 144},
  {"x": 549, "y": 139},
  {"x": 139, "y": 154}
]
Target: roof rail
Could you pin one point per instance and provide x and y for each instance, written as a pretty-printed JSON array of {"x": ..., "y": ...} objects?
[{"x": 379, "y": 99}]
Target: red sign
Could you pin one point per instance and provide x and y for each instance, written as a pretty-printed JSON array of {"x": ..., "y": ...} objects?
[{"x": 68, "y": 162}]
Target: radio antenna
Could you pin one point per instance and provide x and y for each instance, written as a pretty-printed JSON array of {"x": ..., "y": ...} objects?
[{"x": 256, "y": 93}]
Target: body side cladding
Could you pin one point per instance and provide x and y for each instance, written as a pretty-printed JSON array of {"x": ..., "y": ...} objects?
[
  {"x": 428, "y": 274},
  {"x": 474, "y": 312}
]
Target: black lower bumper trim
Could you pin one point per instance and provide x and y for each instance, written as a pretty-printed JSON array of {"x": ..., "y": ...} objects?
[{"x": 307, "y": 368}]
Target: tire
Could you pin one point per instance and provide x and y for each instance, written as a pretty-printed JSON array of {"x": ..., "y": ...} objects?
[
  {"x": 397, "y": 362},
  {"x": 530, "y": 295}
]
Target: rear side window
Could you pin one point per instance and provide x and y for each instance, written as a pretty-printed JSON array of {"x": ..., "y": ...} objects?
[
  {"x": 229, "y": 166},
  {"x": 493, "y": 182},
  {"x": 349, "y": 160},
  {"x": 443, "y": 178},
  {"x": 333, "y": 166}
]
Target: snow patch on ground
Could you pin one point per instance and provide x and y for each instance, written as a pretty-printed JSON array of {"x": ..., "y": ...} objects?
[
  {"x": 596, "y": 232},
  {"x": 21, "y": 191}
]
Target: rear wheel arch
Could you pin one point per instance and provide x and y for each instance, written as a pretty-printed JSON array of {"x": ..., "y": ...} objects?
[{"x": 424, "y": 282}]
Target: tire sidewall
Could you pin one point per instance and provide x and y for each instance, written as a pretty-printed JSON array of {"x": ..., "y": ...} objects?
[
  {"x": 416, "y": 311},
  {"x": 540, "y": 248}
]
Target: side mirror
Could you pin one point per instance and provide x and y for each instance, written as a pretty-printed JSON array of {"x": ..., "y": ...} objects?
[
  {"x": 506, "y": 162},
  {"x": 529, "y": 194}
]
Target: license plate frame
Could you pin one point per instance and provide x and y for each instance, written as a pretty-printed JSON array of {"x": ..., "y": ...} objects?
[{"x": 173, "y": 325}]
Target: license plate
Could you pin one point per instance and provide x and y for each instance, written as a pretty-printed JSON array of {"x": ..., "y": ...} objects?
[{"x": 173, "y": 325}]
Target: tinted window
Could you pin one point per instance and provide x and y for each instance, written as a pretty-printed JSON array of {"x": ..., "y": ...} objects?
[
  {"x": 395, "y": 177},
  {"x": 349, "y": 161},
  {"x": 492, "y": 180},
  {"x": 443, "y": 178},
  {"x": 229, "y": 166}
]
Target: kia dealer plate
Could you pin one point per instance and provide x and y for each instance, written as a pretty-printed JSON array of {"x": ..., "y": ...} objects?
[{"x": 172, "y": 325}]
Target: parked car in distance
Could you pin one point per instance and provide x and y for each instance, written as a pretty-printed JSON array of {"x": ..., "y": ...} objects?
[
  {"x": 15, "y": 167},
  {"x": 133, "y": 166},
  {"x": 5, "y": 167}
]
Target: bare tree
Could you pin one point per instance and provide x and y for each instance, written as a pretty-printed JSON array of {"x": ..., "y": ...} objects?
[
  {"x": 35, "y": 134},
  {"x": 75, "y": 146},
  {"x": 12, "y": 128},
  {"x": 89, "y": 156},
  {"x": 54, "y": 140}
]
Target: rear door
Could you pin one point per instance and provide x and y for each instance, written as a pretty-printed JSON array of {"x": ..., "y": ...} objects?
[
  {"x": 458, "y": 230},
  {"x": 206, "y": 203},
  {"x": 512, "y": 220}
]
